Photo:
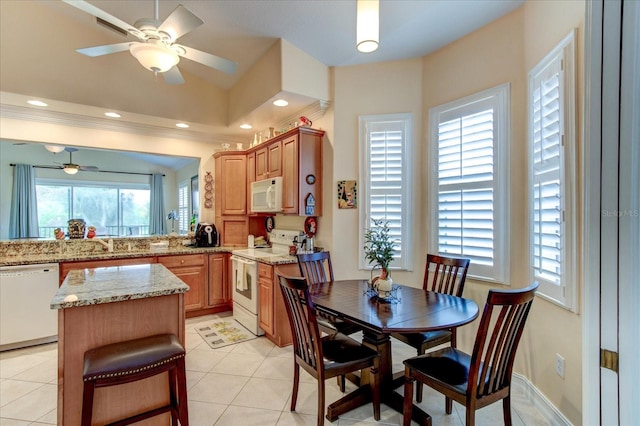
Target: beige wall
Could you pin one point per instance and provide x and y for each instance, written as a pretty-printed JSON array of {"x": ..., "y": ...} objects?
[{"x": 502, "y": 52}]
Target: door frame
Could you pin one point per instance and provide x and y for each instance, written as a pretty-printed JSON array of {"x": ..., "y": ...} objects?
[{"x": 604, "y": 23}]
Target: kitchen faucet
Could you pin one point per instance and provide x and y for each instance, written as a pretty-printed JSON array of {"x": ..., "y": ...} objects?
[{"x": 108, "y": 244}]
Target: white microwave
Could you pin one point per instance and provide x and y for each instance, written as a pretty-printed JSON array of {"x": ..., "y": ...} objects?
[{"x": 266, "y": 195}]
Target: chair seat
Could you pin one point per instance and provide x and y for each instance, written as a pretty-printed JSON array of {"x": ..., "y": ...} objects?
[
  {"x": 428, "y": 338},
  {"x": 449, "y": 366},
  {"x": 340, "y": 349},
  {"x": 133, "y": 356}
]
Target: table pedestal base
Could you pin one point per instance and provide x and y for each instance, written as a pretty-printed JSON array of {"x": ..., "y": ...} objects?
[{"x": 388, "y": 385}]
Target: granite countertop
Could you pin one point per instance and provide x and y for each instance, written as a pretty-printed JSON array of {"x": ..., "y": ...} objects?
[
  {"x": 25, "y": 252},
  {"x": 84, "y": 287}
]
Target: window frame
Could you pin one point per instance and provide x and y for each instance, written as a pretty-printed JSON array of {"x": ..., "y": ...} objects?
[
  {"x": 565, "y": 293},
  {"x": 499, "y": 97},
  {"x": 404, "y": 260}
]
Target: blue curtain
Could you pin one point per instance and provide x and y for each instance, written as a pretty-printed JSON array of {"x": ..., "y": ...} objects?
[
  {"x": 23, "y": 220},
  {"x": 157, "y": 224}
]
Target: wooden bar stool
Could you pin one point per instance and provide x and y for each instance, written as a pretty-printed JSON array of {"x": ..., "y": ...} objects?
[{"x": 133, "y": 360}]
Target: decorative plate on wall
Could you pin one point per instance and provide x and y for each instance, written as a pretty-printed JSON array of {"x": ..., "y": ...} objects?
[
  {"x": 310, "y": 226},
  {"x": 269, "y": 223}
]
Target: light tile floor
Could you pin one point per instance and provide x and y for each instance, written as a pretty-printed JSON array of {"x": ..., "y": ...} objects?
[{"x": 245, "y": 384}]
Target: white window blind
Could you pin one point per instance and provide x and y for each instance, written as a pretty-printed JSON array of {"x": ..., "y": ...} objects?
[
  {"x": 385, "y": 173},
  {"x": 551, "y": 194},
  {"x": 468, "y": 190},
  {"x": 183, "y": 208}
]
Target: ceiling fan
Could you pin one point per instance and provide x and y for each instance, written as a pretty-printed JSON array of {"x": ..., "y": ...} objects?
[
  {"x": 71, "y": 168},
  {"x": 157, "y": 49}
]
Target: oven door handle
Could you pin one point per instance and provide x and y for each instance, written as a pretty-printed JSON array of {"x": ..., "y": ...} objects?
[{"x": 243, "y": 260}]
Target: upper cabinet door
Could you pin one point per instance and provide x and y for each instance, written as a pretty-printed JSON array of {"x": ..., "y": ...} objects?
[
  {"x": 269, "y": 161},
  {"x": 231, "y": 184}
]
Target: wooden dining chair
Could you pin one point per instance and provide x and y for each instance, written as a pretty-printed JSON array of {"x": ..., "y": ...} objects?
[
  {"x": 443, "y": 275},
  {"x": 323, "y": 357},
  {"x": 484, "y": 376},
  {"x": 317, "y": 269}
]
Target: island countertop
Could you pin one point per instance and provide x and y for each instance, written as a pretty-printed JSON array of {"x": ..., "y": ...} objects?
[{"x": 84, "y": 287}]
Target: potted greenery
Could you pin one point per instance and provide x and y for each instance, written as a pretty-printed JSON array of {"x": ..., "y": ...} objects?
[{"x": 379, "y": 250}]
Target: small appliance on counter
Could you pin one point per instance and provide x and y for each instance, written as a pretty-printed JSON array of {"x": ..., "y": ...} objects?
[{"x": 207, "y": 235}]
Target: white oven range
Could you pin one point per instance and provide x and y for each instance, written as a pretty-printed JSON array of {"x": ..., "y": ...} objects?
[{"x": 245, "y": 276}]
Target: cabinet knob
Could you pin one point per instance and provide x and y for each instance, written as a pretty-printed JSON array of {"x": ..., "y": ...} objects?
[{"x": 182, "y": 261}]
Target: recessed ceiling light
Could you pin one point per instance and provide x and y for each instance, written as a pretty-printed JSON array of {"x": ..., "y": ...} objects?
[
  {"x": 182, "y": 125},
  {"x": 112, "y": 114},
  {"x": 280, "y": 103},
  {"x": 37, "y": 103},
  {"x": 245, "y": 126}
]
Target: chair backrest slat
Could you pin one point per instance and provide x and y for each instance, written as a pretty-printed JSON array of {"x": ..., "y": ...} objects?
[
  {"x": 302, "y": 317},
  {"x": 449, "y": 274},
  {"x": 499, "y": 333},
  {"x": 316, "y": 267}
]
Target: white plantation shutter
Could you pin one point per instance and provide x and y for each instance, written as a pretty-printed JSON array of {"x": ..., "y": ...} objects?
[
  {"x": 468, "y": 147},
  {"x": 183, "y": 208},
  {"x": 550, "y": 238},
  {"x": 386, "y": 177}
]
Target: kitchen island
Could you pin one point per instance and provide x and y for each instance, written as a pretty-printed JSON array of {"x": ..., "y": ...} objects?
[{"x": 100, "y": 306}]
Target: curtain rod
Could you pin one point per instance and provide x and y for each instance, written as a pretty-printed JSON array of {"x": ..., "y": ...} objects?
[{"x": 96, "y": 171}]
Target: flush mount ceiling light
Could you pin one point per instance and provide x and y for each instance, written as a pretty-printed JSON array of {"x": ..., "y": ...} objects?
[
  {"x": 112, "y": 114},
  {"x": 367, "y": 23},
  {"x": 245, "y": 126},
  {"x": 182, "y": 125},
  {"x": 54, "y": 148},
  {"x": 154, "y": 56},
  {"x": 280, "y": 103},
  {"x": 36, "y": 102},
  {"x": 71, "y": 169}
]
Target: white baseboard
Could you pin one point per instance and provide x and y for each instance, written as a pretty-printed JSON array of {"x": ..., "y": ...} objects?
[{"x": 522, "y": 385}]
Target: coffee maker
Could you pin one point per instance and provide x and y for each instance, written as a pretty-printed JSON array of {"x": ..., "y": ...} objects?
[{"x": 206, "y": 235}]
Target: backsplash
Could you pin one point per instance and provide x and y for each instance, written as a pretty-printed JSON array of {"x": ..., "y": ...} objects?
[{"x": 27, "y": 247}]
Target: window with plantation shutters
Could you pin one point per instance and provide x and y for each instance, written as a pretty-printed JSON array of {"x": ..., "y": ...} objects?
[
  {"x": 468, "y": 197},
  {"x": 551, "y": 120},
  {"x": 386, "y": 174},
  {"x": 183, "y": 208}
]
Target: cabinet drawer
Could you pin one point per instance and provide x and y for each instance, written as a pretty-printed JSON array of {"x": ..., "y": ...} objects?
[
  {"x": 187, "y": 260},
  {"x": 265, "y": 271}
]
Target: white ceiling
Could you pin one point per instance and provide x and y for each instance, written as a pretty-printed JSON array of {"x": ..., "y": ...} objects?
[{"x": 240, "y": 30}]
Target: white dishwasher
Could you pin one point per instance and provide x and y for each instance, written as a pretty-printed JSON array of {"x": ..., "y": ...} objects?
[{"x": 26, "y": 318}]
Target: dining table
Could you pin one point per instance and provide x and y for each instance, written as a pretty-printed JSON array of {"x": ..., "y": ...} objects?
[{"x": 407, "y": 309}]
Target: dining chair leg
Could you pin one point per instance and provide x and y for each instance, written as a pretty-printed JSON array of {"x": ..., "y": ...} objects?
[
  {"x": 470, "y": 416},
  {"x": 296, "y": 382},
  {"x": 506, "y": 410},
  {"x": 183, "y": 406},
  {"x": 418, "y": 392},
  {"x": 407, "y": 406},
  {"x": 341, "y": 383},
  {"x": 320, "y": 401},
  {"x": 448, "y": 405}
]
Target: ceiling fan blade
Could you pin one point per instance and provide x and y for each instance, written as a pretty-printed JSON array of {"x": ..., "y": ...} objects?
[
  {"x": 208, "y": 59},
  {"x": 173, "y": 76},
  {"x": 88, "y": 168},
  {"x": 180, "y": 22},
  {"x": 104, "y": 50},
  {"x": 92, "y": 10}
]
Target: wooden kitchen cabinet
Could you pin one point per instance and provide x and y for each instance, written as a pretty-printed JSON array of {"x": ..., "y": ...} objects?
[
  {"x": 251, "y": 177},
  {"x": 302, "y": 172},
  {"x": 193, "y": 270},
  {"x": 230, "y": 184},
  {"x": 233, "y": 230},
  {"x": 269, "y": 161},
  {"x": 218, "y": 289},
  {"x": 272, "y": 314}
]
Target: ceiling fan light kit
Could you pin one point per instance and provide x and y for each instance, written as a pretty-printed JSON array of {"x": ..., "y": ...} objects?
[
  {"x": 154, "y": 56},
  {"x": 71, "y": 169},
  {"x": 55, "y": 149},
  {"x": 367, "y": 25}
]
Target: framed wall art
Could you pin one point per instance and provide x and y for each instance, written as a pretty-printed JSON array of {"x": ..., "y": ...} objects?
[{"x": 347, "y": 194}]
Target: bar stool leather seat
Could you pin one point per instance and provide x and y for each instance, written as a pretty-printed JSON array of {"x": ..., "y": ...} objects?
[{"x": 133, "y": 360}]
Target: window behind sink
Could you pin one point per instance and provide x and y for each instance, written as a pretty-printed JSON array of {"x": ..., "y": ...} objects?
[{"x": 117, "y": 209}]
